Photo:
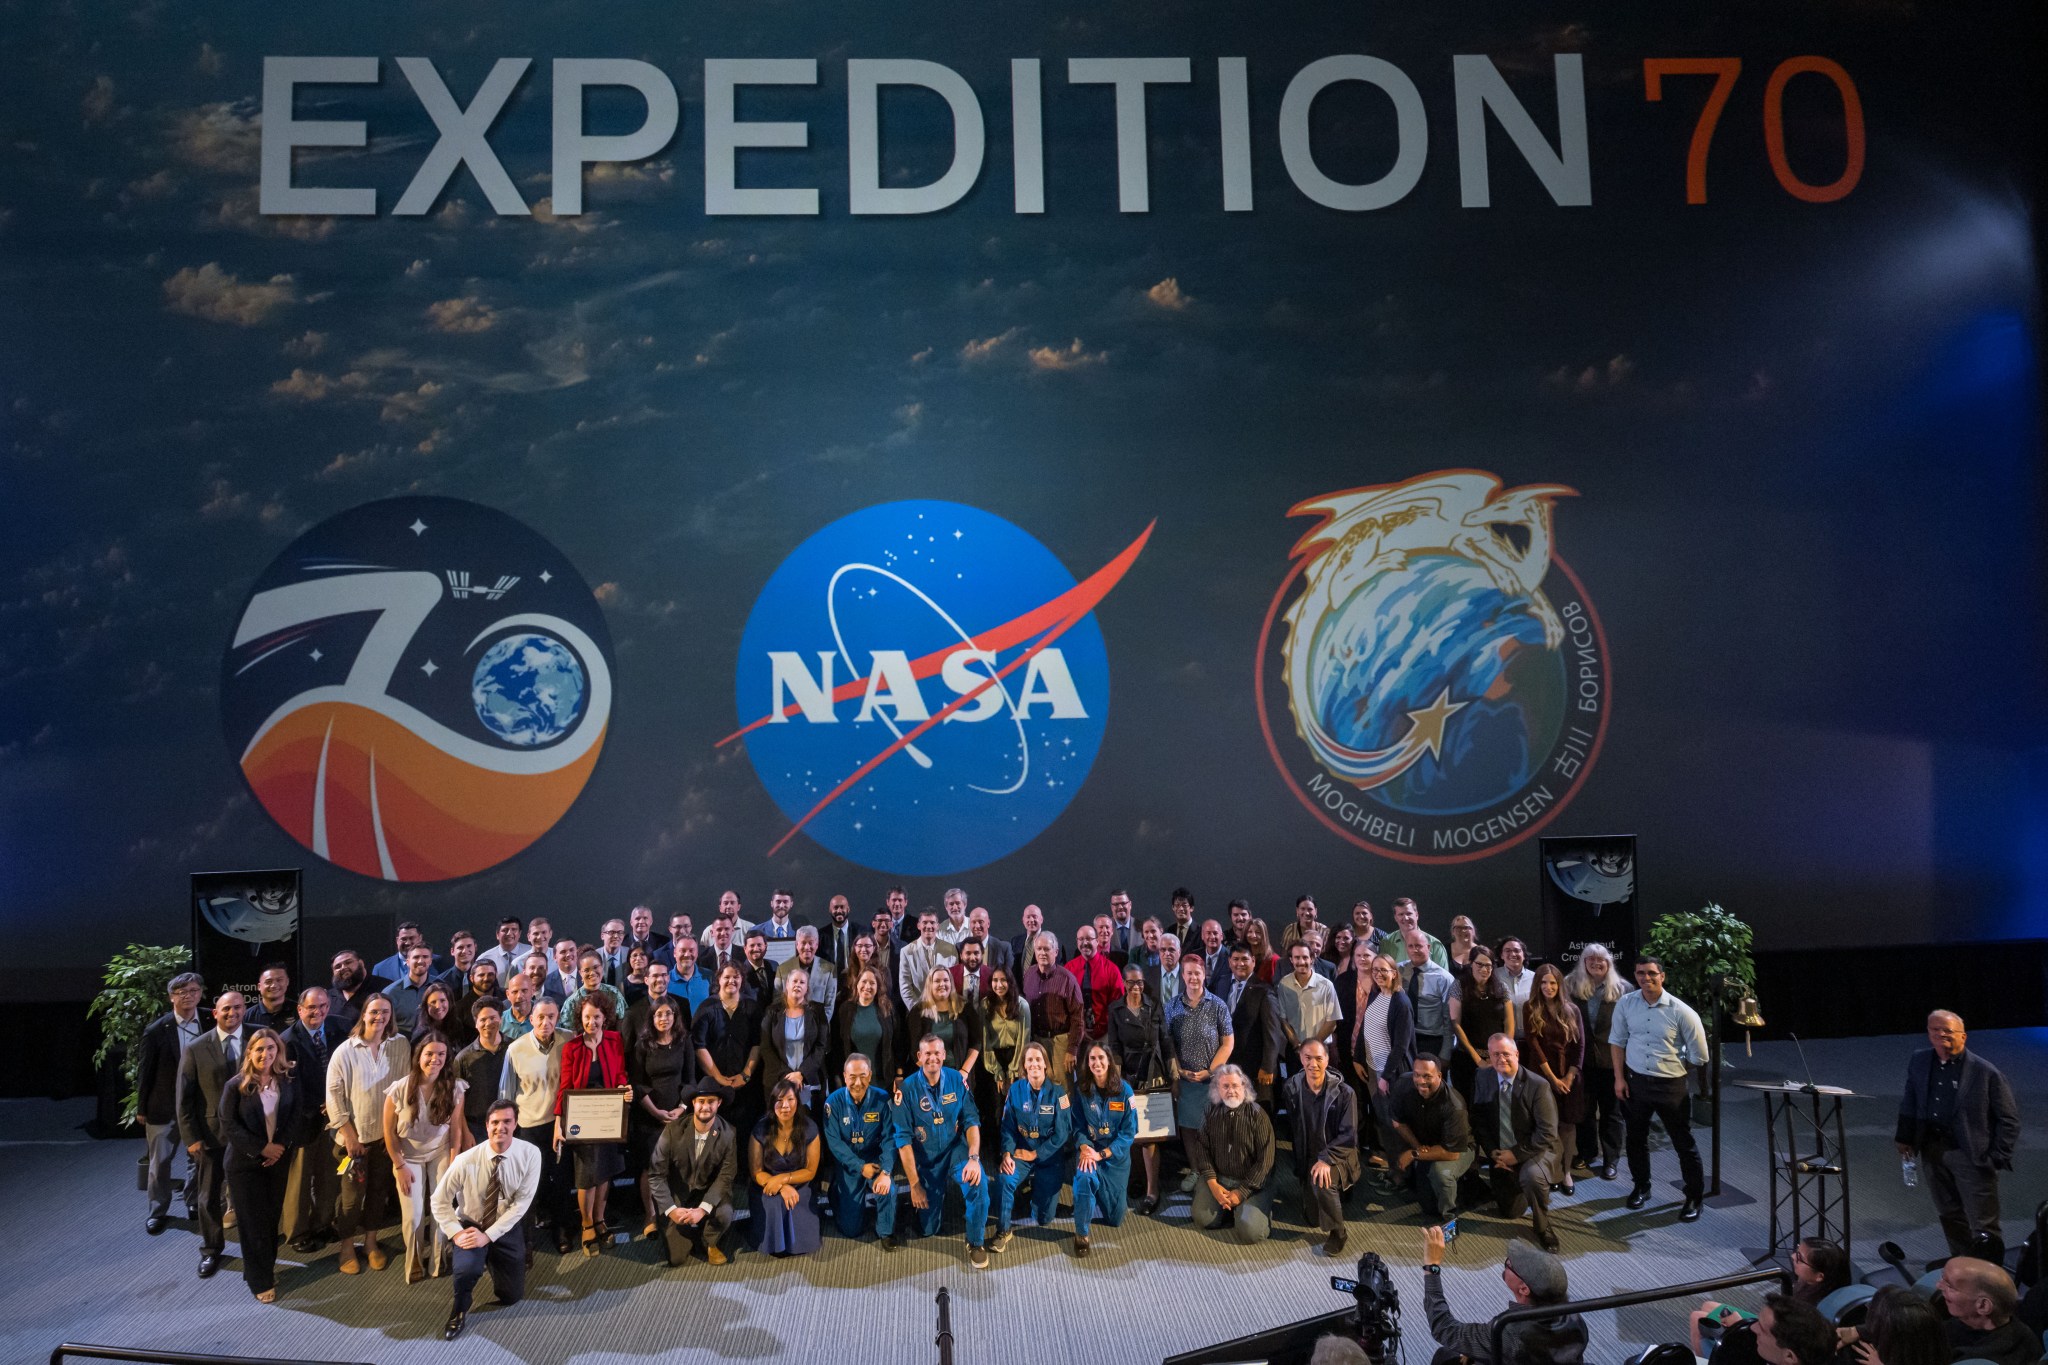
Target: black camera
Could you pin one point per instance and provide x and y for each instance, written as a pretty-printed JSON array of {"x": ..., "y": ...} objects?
[{"x": 1379, "y": 1306}]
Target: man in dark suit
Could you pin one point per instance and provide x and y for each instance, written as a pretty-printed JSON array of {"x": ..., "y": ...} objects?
[
  {"x": 837, "y": 933},
  {"x": 1519, "y": 1127},
  {"x": 1022, "y": 953},
  {"x": 995, "y": 952},
  {"x": 1122, "y": 938},
  {"x": 313, "y": 1186},
  {"x": 156, "y": 1091},
  {"x": 640, "y": 932},
  {"x": 1254, "y": 1023},
  {"x": 208, "y": 1065},
  {"x": 1958, "y": 1118},
  {"x": 690, "y": 1175}
]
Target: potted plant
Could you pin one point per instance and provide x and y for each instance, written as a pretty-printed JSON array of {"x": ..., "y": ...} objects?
[
  {"x": 137, "y": 983},
  {"x": 1707, "y": 962}
]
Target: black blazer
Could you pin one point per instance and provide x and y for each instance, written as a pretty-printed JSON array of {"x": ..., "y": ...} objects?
[
  {"x": 890, "y": 1065},
  {"x": 774, "y": 1064},
  {"x": 966, "y": 1033},
  {"x": 675, "y": 1175},
  {"x": 202, "y": 1074},
  {"x": 1400, "y": 1031},
  {"x": 241, "y": 1122},
  {"x": 311, "y": 1077},
  {"x": 1256, "y": 1028},
  {"x": 156, "y": 1071},
  {"x": 1987, "y": 1127}
]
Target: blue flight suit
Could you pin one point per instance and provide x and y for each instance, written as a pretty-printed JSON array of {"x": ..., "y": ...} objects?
[
  {"x": 1109, "y": 1124},
  {"x": 857, "y": 1134},
  {"x": 1038, "y": 1121},
  {"x": 932, "y": 1122}
]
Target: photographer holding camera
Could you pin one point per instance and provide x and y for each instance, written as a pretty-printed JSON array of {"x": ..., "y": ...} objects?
[{"x": 1533, "y": 1276}]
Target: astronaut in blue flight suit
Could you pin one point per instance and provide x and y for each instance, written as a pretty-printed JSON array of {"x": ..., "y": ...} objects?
[
  {"x": 1106, "y": 1114},
  {"x": 1037, "y": 1126},
  {"x": 938, "y": 1131},
  {"x": 860, "y": 1131}
]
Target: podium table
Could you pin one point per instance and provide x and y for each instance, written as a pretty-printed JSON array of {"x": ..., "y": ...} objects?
[{"x": 1808, "y": 1154}]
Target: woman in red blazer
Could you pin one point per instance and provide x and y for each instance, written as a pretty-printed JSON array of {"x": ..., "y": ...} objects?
[{"x": 594, "y": 1059}]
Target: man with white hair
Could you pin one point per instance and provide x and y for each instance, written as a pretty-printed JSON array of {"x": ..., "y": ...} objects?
[{"x": 824, "y": 980}]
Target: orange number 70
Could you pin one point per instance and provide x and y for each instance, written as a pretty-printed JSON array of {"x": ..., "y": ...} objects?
[{"x": 1724, "y": 70}]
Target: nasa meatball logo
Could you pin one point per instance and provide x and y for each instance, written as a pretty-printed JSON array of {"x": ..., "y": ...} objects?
[
  {"x": 1437, "y": 687},
  {"x": 418, "y": 689},
  {"x": 923, "y": 686}
]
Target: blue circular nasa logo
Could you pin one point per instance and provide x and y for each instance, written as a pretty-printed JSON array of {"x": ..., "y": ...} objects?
[{"x": 923, "y": 687}]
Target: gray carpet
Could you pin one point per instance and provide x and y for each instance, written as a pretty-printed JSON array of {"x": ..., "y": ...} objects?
[{"x": 75, "y": 1264}]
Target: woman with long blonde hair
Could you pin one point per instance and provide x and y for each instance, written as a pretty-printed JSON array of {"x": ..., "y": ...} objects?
[{"x": 261, "y": 1111}]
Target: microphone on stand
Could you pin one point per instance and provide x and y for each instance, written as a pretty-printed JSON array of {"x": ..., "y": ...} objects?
[{"x": 1809, "y": 1088}]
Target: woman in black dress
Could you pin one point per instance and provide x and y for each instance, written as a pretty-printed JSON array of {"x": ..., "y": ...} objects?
[
  {"x": 726, "y": 1035},
  {"x": 1136, "y": 1023},
  {"x": 1557, "y": 1048},
  {"x": 1479, "y": 1009},
  {"x": 662, "y": 1063}
]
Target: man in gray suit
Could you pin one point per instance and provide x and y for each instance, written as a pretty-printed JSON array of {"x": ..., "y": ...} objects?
[
  {"x": 1520, "y": 1129},
  {"x": 691, "y": 1175},
  {"x": 203, "y": 1072}
]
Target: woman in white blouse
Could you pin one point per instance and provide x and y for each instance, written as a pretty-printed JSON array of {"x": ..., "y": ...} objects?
[
  {"x": 368, "y": 1063},
  {"x": 422, "y": 1137}
]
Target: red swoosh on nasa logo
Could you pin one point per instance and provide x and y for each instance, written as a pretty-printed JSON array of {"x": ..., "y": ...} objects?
[
  {"x": 1054, "y": 619},
  {"x": 1076, "y": 601}
]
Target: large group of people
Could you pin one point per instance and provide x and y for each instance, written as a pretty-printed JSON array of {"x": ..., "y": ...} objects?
[{"x": 923, "y": 1058}]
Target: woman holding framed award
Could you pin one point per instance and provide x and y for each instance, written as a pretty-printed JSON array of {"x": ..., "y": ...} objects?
[{"x": 594, "y": 1059}]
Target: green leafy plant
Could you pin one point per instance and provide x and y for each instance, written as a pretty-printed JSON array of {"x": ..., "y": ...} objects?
[
  {"x": 138, "y": 979},
  {"x": 1706, "y": 956}
]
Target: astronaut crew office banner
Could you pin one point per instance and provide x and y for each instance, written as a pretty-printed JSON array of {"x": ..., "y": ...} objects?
[{"x": 558, "y": 461}]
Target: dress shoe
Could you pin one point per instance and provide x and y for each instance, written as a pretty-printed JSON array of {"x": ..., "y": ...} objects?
[
  {"x": 1610, "y": 1171},
  {"x": 228, "y": 1220},
  {"x": 1568, "y": 1188},
  {"x": 209, "y": 1262},
  {"x": 893, "y": 1242},
  {"x": 1689, "y": 1211},
  {"x": 1333, "y": 1245},
  {"x": 1149, "y": 1204},
  {"x": 305, "y": 1246},
  {"x": 716, "y": 1256},
  {"x": 349, "y": 1264},
  {"x": 378, "y": 1257},
  {"x": 1639, "y": 1196},
  {"x": 1548, "y": 1241},
  {"x": 563, "y": 1242},
  {"x": 456, "y": 1322},
  {"x": 415, "y": 1272},
  {"x": 156, "y": 1224},
  {"x": 1081, "y": 1248}
]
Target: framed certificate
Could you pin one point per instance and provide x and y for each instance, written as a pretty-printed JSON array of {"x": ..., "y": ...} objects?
[
  {"x": 594, "y": 1116},
  {"x": 1155, "y": 1116}
]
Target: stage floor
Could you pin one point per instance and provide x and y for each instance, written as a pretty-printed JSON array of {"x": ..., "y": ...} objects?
[{"x": 75, "y": 1264}]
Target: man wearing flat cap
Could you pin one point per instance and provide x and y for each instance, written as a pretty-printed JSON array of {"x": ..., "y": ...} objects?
[
  {"x": 691, "y": 1175},
  {"x": 1533, "y": 1277}
]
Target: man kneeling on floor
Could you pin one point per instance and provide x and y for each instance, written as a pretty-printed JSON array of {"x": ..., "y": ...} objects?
[
  {"x": 1533, "y": 1276},
  {"x": 479, "y": 1206}
]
